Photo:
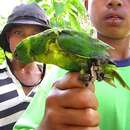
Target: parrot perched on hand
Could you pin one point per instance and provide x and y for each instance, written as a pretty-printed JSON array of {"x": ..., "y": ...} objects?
[{"x": 70, "y": 50}]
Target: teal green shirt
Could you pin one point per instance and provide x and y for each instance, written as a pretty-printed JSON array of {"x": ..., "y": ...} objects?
[{"x": 114, "y": 103}]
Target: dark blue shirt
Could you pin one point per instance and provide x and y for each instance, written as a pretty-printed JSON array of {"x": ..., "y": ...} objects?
[{"x": 123, "y": 63}]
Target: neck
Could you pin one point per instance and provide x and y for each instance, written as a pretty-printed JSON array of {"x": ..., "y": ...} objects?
[
  {"x": 121, "y": 47},
  {"x": 21, "y": 72}
]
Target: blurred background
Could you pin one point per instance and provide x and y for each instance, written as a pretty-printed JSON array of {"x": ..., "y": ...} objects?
[{"x": 61, "y": 13}]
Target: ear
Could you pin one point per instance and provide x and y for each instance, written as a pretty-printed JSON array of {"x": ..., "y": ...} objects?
[{"x": 86, "y": 4}]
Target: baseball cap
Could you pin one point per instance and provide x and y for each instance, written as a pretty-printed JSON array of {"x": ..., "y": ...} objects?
[{"x": 24, "y": 14}]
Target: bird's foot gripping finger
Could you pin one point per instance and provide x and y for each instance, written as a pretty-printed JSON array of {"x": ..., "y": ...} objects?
[
  {"x": 92, "y": 71},
  {"x": 85, "y": 73},
  {"x": 97, "y": 63},
  {"x": 88, "y": 74},
  {"x": 85, "y": 78}
]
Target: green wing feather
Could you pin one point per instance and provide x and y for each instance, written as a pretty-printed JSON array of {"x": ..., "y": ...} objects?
[{"x": 81, "y": 44}]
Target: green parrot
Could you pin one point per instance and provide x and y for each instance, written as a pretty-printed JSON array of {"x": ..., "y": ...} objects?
[{"x": 73, "y": 51}]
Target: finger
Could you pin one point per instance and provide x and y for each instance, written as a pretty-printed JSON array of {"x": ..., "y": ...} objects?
[
  {"x": 84, "y": 117},
  {"x": 78, "y": 128},
  {"x": 72, "y": 98},
  {"x": 72, "y": 80},
  {"x": 77, "y": 118}
]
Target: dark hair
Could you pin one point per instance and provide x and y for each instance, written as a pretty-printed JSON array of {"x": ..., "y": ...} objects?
[{"x": 23, "y": 14}]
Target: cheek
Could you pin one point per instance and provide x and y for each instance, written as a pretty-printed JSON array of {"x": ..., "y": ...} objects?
[
  {"x": 95, "y": 20},
  {"x": 95, "y": 10},
  {"x": 13, "y": 43},
  {"x": 94, "y": 14}
]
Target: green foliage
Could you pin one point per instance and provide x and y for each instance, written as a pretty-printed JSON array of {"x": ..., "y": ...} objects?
[
  {"x": 65, "y": 13},
  {"x": 2, "y": 56}
]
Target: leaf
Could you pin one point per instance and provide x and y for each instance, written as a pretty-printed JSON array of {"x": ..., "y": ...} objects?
[
  {"x": 74, "y": 22},
  {"x": 58, "y": 7}
]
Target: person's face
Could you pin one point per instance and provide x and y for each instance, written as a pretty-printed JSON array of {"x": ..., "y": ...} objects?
[
  {"x": 111, "y": 18},
  {"x": 20, "y": 32}
]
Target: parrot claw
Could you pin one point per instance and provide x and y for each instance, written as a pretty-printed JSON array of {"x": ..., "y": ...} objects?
[
  {"x": 94, "y": 72},
  {"x": 86, "y": 78},
  {"x": 97, "y": 68}
]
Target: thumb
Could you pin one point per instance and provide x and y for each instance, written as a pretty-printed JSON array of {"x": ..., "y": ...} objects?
[{"x": 72, "y": 80}]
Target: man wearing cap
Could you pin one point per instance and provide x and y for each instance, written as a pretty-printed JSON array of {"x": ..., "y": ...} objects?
[{"x": 18, "y": 82}]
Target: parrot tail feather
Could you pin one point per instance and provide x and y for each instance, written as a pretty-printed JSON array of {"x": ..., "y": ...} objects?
[
  {"x": 121, "y": 81},
  {"x": 116, "y": 75},
  {"x": 110, "y": 81}
]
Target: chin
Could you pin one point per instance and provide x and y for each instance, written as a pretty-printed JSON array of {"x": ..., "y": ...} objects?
[
  {"x": 118, "y": 36},
  {"x": 115, "y": 35},
  {"x": 112, "y": 32}
]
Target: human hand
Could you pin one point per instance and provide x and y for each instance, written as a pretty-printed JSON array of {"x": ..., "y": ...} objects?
[{"x": 71, "y": 106}]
